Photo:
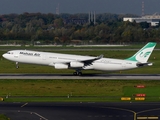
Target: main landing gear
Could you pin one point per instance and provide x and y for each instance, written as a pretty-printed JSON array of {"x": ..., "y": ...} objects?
[
  {"x": 77, "y": 73},
  {"x": 17, "y": 66}
]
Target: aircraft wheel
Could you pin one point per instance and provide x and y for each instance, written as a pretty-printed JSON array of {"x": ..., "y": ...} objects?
[
  {"x": 75, "y": 73},
  {"x": 79, "y": 73}
]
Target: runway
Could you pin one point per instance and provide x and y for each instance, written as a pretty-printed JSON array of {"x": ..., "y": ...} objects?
[
  {"x": 81, "y": 111},
  {"x": 84, "y": 76}
]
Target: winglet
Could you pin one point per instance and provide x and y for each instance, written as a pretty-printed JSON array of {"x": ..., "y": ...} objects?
[
  {"x": 143, "y": 54},
  {"x": 99, "y": 57}
]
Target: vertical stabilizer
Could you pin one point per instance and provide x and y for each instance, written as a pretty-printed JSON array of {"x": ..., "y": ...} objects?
[{"x": 143, "y": 54}]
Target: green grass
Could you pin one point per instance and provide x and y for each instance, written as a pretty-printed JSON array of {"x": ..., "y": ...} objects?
[
  {"x": 151, "y": 91},
  {"x": 76, "y": 90},
  {"x": 3, "y": 117},
  {"x": 59, "y": 88}
]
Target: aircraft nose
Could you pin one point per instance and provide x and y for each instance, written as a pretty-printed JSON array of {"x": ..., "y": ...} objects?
[{"x": 4, "y": 55}]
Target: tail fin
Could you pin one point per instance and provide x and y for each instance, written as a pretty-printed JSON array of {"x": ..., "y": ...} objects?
[{"x": 143, "y": 54}]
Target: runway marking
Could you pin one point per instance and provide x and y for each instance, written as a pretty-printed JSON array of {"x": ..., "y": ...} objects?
[
  {"x": 40, "y": 116},
  {"x": 24, "y": 104}
]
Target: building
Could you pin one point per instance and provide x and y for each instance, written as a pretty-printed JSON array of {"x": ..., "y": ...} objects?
[{"x": 152, "y": 19}]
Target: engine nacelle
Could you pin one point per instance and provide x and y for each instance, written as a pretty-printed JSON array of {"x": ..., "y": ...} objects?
[
  {"x": 61, "y": 66},
  {"x": 76, "y": 64}
]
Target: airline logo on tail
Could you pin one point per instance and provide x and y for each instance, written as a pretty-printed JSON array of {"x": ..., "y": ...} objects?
[{"x": 143, "y": 54}]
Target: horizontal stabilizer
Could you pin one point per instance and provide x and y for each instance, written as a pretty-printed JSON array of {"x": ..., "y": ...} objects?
[{"x": 144, "y": 64}]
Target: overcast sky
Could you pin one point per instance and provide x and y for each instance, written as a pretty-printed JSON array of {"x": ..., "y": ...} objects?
[{"x": 79, "y": 6}]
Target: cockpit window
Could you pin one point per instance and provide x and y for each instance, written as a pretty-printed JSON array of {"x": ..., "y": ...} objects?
[{"x": 9, "y": 52}]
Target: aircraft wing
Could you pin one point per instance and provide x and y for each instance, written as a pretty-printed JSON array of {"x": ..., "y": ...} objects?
[
  {"x": 77, "y": 63},
  {"x": 83, "y": 63},
  {"x": 89, "y": 62}
]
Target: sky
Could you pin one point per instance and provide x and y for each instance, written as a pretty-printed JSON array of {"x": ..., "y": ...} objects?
[{"x": 79, "y": 6}]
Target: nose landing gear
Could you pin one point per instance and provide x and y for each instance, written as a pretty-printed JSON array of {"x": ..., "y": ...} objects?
[{"x": 17, "y": 66}]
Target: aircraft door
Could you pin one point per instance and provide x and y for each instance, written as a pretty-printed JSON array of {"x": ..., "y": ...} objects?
[{"x": 16, "y": 55}]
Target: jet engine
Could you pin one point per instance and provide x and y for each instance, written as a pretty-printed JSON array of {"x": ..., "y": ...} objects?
[
  {"x": 76, "y": 64},
  {"x": 61, "y": 66}
]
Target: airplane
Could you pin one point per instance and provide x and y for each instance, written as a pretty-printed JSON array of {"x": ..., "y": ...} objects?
[{"x": 79, "y": 62}]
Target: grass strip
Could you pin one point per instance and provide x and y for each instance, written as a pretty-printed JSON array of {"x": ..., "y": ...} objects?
[
  {"x": 3, "y": 117},
  {"x": 76, "y": 90}
]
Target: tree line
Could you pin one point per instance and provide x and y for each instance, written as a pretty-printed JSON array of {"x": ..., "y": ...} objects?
[{"x": 38, "y": 28}]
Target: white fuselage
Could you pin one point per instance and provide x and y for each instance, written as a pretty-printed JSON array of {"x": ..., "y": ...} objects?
[{"x": 64, "y": 60}]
